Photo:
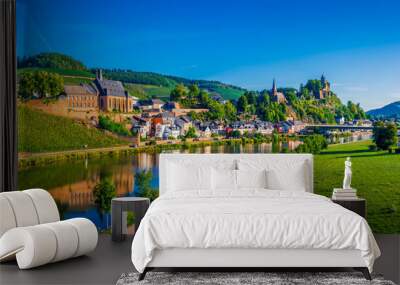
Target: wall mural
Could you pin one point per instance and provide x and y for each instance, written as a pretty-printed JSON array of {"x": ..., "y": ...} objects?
[{"x": 105, "y": 86}]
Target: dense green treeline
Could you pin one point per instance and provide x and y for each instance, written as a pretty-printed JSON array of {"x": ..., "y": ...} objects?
[{"x": 51, "y": 60}]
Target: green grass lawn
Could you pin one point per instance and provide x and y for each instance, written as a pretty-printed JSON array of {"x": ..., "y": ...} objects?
[
  {"x": 376, "y": 176},
  {"x": 76, "y": 80},
  {"x": 229, "y": 93},
  {"x": 143, "y": 91},
  {"x": 41, "y": 132}
]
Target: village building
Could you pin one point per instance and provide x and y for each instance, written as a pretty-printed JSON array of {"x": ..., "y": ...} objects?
[
  {"x": 217, "y": 97},
  {"x": 171, "y": 132},
  {"x": 277, "y": 96},
  {"x": 183, "y": 123},
  {"x": 264, "y": 128},
  {"x": 171, "y": 105},
  {"x": 141, "y": 126},
  {"x": 81, "y": 97},
  {"x": 205, "y": 132},
  {"x": 167, "y": 118},
  {"x": 157, "y": 104},
  {"x": 151, "y": 107},
  {"x": 159, "y": 130},
  {"x": 293, "y": 127},
  {"x": 340, "y": 120},
  {"x": 135, "y": 102},
  {"x": 363, "y": 123},
  {"x": 150, "y": 113},
  {"x": 113, "y": 96}
]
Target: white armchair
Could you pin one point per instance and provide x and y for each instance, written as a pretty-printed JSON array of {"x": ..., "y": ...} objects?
[{"x": 31, "y": 230}]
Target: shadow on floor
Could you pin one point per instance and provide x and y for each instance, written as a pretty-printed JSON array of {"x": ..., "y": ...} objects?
[{"x": 106, "y": 264}]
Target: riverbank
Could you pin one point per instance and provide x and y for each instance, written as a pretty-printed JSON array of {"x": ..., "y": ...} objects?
[{"x": 26, "y": 160}]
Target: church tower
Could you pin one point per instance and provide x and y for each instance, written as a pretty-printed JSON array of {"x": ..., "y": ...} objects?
[
  {"x": 277, "y": 96},
  {"x": 274, "y": 89},
  {"x": 99, "y": 74}
]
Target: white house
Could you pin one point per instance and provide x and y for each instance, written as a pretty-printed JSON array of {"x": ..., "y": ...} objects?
[{"x": 159, "y": 130}]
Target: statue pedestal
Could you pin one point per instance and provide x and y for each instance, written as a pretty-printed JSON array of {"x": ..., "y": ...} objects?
[{"x": 344, "y": 194}]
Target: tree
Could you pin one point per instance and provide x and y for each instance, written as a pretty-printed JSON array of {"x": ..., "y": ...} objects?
[
  {"x": 385, "y": 135},
  {"x": 251, "y": 97},
  {"x": 27, "y": 85},
  {"x": 216, "y": 110},
  {"x": 235, "y": 134},
  {"x": 291, "y": 97},
  {"x": 194, "y": 91},
  {"x": 191, "y": 133},
  {"x": 313, "y": 144},
  {"x": 178, "y": 93},
  {"x": 40, "y": 84},
  {"x": 143, "y": 184},
  {"x": 103, "y": 192},
  {"x": 230, "y": 111},
  {"x": 204, "y": 98},
  {"x": 242, "y": 104}
]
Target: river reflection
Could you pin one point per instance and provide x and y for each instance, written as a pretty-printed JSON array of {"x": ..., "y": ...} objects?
[{"x": 72, "y": 183}]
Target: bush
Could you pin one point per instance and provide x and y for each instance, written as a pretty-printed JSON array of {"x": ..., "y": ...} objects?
[
  {"x": 284, "y": 150},
  {"x": 107, "y": 124},
  {"x": 372, "y": 147},
  {"x": 313, "y": 144},
  {"x": 385, "y": 135}
]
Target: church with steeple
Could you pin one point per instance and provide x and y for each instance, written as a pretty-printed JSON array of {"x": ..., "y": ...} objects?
[
  {"x": 275, "y": 95},
  {"x": 112, "y": 95}
]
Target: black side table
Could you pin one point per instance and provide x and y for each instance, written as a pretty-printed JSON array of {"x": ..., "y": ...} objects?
[
  {"x": 357, "y": 205},
  {"x": 119, "y": 208}
]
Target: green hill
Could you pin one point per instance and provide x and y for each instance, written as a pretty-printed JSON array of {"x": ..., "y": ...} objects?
[
  {"x": 51, "y": 60},
  {"x": 391, "y": 110},
  {"x": 140, "y": 84},
  {"x": 154, "y": 84},
  {"x": 41, "y": 132}
]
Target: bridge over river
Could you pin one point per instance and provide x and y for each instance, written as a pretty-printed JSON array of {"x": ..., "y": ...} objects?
[{"x": 341, "y": 128}]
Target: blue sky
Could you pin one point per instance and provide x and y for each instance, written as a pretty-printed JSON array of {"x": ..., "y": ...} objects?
[{"x": 356, "y": 44}]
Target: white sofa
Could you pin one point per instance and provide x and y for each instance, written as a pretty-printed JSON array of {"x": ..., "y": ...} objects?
[{"x": 31, "y": 230}]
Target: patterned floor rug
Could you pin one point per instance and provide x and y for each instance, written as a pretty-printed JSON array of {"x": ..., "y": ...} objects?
[{"x": 244, "y": 278}]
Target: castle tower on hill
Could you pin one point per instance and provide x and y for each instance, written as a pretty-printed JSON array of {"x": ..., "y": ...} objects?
[{"x": 326, "y": 88}]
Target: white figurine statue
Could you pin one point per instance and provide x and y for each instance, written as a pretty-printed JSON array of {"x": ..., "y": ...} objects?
[{"x": 347, "y": 174}]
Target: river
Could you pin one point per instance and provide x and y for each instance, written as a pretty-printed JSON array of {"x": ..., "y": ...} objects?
[{"x": 71, "y": 183}]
